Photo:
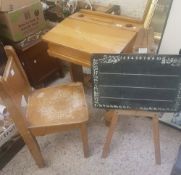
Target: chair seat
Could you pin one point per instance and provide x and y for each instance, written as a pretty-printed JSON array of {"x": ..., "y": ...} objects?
[{"x": 59, "y": 105}]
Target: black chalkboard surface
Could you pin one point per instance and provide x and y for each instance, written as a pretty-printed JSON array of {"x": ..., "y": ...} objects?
[{"x": 143, "y": 82}]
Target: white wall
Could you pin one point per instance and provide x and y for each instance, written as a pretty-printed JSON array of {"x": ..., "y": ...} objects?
[
  {"x": 132, "y": 8},
  {"x": 171, "y": 42}
]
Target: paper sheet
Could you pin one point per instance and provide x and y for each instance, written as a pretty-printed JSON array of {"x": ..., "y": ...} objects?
[{"x": 3, "y": 110}]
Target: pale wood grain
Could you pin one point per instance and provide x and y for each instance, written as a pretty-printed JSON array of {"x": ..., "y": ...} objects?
[{"x": 79, "y": 36}]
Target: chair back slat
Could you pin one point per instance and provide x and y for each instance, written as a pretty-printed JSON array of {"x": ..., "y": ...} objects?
[{"x": 15, "y": 88}]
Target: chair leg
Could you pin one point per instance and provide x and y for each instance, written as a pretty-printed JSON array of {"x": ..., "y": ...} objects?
[
  {"x": 34, "y": 149},
  {"x": 110, "y": 134},
  {"x": 84, "y": 136},
  {"x": 156, "y": 139}
]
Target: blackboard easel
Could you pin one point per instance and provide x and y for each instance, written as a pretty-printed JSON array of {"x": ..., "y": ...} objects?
[
  {"x": 144, "y": 44},
  {"x": 136, "y": 85}
]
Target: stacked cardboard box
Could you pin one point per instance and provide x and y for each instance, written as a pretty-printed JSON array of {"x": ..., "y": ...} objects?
[
  {"x": 20, "y": 19},
  {"x": 10, "y": 5}
]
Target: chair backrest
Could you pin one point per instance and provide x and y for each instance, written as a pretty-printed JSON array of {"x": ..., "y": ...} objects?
[{"x": 15, "y": 88}]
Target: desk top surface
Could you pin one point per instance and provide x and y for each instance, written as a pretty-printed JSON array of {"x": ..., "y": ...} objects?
[{"x": 93, "y": 32}]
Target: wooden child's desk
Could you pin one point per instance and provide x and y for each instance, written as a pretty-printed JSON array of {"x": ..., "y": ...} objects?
[{"x": 86, "y": 32}]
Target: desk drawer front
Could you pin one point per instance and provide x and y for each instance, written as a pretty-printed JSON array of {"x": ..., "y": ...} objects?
[{"x": 70, "y": 55}]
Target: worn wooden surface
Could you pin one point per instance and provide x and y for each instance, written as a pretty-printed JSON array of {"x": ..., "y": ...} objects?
[
  {"x": 47, "y": 111},
  {"x": 79, "y": 36},
  {"x": 59, "y": 105}
]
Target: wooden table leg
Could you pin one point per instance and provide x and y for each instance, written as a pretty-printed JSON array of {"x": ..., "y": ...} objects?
[
  {"x": 76, "y": 72},
  {"x": 110, "y": 133}
]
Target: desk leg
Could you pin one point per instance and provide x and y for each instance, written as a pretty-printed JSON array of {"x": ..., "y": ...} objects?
[{"x": 76, "y": 73}]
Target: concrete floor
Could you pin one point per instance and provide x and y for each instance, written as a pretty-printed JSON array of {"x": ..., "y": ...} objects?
[{"x": 132, "y": 151}]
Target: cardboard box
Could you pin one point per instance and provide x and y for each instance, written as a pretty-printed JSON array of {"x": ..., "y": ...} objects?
[
  {"x": 17, "y": 25},
  {"x": 10, "y": 5}
]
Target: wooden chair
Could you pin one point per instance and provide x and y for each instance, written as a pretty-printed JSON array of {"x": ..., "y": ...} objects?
[{"x": 48, "y": 110}]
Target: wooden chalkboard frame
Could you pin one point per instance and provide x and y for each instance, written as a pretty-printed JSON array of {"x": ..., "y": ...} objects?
[{"x": 97, "y": 59}]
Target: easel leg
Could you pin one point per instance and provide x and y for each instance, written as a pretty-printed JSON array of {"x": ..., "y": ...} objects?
[
  {"x": 108, "y": 117},
  {"x": 156, "y": 139},
  {"x": 110, "y": 134},
  {"x": 84, "y": 136}
]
